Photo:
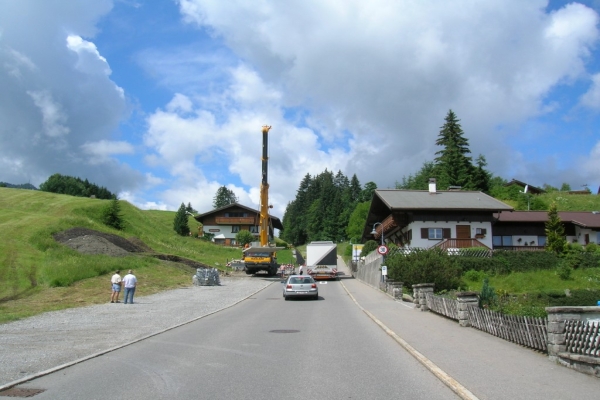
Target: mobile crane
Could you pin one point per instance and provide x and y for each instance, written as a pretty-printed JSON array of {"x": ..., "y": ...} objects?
[{"x": 263, "y": 257}]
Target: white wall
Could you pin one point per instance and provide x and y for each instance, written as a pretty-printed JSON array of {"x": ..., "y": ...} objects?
[{"x": 427, "y": 243}]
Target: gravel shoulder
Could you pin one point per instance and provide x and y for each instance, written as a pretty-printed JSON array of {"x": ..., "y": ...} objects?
[{"x": 33, "y": 345}]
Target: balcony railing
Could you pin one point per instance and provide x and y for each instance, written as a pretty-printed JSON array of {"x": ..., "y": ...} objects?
[
  {"x": 235, "y": 220},
  {"x": 520, "y": 248},
  {"x": 460, "y": 244}
]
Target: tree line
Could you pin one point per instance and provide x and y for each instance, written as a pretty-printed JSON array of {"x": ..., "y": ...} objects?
[
  {"x": 331, "y": 207},
  {"x": 73, "y": 186}
]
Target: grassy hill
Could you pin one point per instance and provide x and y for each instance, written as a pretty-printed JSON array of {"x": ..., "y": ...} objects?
[
  {"x": 563, "y": 200},
  {"x": 38, "y": 274}
]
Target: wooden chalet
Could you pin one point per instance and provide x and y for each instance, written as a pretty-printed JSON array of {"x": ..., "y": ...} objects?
[
  {"x": 225, "y": 222},
  {"x": 432, "y": 218},
  {"x": 526, "y": 230}
]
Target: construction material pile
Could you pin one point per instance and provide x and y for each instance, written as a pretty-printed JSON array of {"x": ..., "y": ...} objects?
[{"x": 206, "y": 277}]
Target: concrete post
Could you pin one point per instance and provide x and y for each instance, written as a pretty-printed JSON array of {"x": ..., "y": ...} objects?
[
  {"x": 389, "y": 286},
  {"x": 416, "y": 296},
  {"x": 397, "y": 290},
  {"x": 422, "y": 289},
  {"x": 465, "y": 300}
]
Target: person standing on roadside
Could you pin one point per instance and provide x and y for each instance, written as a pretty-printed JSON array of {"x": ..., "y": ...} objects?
[
  {"x": 129, "y": 281},
  {"x": 116, "y": 287}
]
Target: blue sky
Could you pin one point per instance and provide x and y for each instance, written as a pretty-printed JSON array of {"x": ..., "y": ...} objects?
[{"x": 163, "y": 101}]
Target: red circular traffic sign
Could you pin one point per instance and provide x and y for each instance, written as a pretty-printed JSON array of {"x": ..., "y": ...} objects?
[{"x": 383, "y": 249}]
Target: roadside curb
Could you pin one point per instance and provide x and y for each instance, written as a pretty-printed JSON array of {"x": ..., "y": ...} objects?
[
  {"x": 97, "y": 354},
  {"x": 454, "y": 385}
]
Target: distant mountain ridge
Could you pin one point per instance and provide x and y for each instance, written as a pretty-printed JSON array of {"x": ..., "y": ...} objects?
[{"x": 27, "y": 186}]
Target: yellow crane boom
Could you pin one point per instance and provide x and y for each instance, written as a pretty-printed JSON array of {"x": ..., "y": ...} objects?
[{"x": 264, "y": 190}]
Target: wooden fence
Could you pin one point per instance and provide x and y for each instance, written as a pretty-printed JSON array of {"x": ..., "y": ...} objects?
[
  {"x": 527, "y": 331},
  {"x": 443, "y": 305},
  {"x": 583, "y": 338}
]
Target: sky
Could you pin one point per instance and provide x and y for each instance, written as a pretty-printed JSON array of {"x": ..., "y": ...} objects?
[{"x": 162, "y": 102}]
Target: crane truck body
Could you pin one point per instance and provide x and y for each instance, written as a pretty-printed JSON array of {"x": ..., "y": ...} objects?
[{"x": 261, "y": 256}]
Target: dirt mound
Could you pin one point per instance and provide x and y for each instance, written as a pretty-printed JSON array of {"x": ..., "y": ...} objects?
[{"x": 89, "y": 241}]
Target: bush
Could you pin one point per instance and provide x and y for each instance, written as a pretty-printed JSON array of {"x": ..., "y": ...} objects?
[
  {"x": 244, "y": 237},
  {"x": 564, "y": 271},
  {"x": 487, "y": 298},
  {"x": 369, "y": 246},
  {"x": 592, "y": 248},
  {"x": 474, "y": 276},
  {"x": 425, "y": 266}
]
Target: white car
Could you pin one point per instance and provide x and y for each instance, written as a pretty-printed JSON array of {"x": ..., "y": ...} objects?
[{"x": 300, "y": 286}]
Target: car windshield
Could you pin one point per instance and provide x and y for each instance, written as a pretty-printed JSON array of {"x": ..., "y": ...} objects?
[{"x": 300, "y": 280}]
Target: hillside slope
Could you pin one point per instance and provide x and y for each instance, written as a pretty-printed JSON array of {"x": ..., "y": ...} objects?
[{"x": 33, "y": 265}]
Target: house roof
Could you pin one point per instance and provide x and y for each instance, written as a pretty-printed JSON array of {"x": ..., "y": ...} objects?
[
  {"x": 440, "y": 200},
  {"x": 531, "y": 188},
  {"x": 394, "y": 201},
  {"x": 585, "y": 219},
  {"x": 274, "y": 220}
]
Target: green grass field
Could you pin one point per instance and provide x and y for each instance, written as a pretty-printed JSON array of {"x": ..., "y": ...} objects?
[{"x": 38, "y": 274}]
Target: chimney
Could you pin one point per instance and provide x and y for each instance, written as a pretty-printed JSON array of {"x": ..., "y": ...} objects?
[{"x": 432, "y": 188}]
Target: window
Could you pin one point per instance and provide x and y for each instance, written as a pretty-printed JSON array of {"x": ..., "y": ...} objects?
[
  {"x": 507, "y": 241},
  {"x": 496, "y": 241},
  {"x": 480, "y": 232},
  {"x": 235, "y": 229},
  {"x": 541, "y": 240},
  {"x": 435, "y": 233},
  {"x": 253, "y": 229}
]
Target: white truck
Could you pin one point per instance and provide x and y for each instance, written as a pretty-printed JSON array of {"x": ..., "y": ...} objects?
[{"x": 321, "y": 260}]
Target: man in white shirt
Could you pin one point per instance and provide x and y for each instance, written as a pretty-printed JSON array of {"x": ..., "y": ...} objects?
[
  {"x": 129, "y": 282},
  {"x": 116, "y": 287}
]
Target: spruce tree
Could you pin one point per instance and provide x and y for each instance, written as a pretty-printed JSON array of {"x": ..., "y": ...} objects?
[
  {"x": 224, "y": 197},
  {"x": 111, "y": 215},
  {"x": 453, "y": 164},
  {"x": 180, "y": 223},
  {"x": 555, "y": 232},
  {"x": 480, "y": 180}
]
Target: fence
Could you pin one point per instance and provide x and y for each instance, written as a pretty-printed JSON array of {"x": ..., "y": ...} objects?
[
  {"x": 527, "y": 331},
  {"x": 442, "y": 305},
  {"x": 582, "y": 338}
]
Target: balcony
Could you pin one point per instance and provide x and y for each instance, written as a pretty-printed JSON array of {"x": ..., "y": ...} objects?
[
  {"x": 235, "y": 220},
  {"x": 459, "y": 244}
]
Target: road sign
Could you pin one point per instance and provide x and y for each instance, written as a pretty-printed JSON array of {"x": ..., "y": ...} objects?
[
  {"x": 383, "y": 270},
  {"x": 383, "y": 249}
]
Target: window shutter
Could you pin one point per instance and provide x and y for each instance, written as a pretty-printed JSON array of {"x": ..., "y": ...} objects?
[
  {"x": 424, "y": 233},
  {"x": 446, "y": 233}
]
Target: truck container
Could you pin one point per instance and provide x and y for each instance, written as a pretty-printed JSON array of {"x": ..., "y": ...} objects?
[{"x": 321, "y": 260}]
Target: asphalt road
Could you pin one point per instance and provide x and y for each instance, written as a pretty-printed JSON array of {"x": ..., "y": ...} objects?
[{"x": 264, "y": 347}]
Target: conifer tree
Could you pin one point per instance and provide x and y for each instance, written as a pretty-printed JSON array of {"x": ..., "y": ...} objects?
[
  {"x": 180, "y": 223},
  {"x": 480, "y": 179},
  {"x": 555, "y": 232},
  {"x": 453, "y": 164},
  {"x": 112, "y": 216},
  {"x": 224, "y": 197}
]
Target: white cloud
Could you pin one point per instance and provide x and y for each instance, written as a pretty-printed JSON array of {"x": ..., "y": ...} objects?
[
  {"x": 89, "y": 59},
  {"x": 100, "y": 152},
  {"x": 57, "y": 96},
  {"x": 382, "y": 74},
  {"x": 591, "y": 98},
  {"x": 53, "y": 115}
]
